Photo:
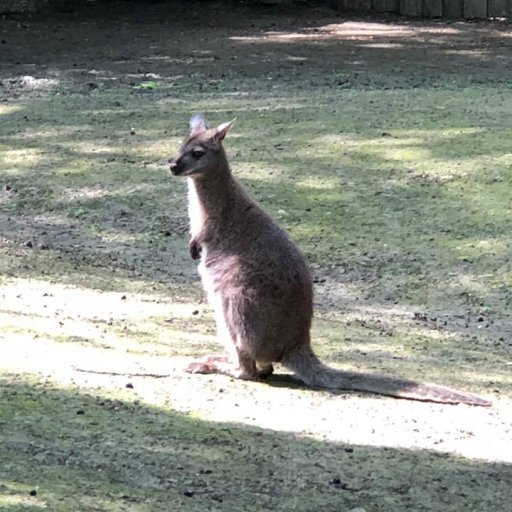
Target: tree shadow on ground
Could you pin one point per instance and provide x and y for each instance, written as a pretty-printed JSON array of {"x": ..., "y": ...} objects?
[{"x": 77, "y": 450}]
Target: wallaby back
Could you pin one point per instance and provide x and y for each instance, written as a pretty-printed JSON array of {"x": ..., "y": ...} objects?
[{"x": 258, "y": 282}]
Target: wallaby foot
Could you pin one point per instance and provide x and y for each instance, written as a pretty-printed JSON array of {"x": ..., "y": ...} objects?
[
  {"x": 200, "y": 367},
  {"x": 265, "y": 370},
  {"x": 222, "y": 364},
  {"x": 245, "y": 370},
  {"x": 207, "y": 364}
]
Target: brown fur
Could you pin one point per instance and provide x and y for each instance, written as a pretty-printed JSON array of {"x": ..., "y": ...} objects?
[{"x": 258, "y": 283}]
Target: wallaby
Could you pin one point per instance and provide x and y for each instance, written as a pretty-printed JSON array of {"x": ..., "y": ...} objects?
[{"x": 258, "y": 282}]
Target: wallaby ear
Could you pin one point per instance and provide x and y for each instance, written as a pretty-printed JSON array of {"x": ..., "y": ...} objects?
[
  {"x": 222, "y": 130},
  {"x": 197, "y": 124}
]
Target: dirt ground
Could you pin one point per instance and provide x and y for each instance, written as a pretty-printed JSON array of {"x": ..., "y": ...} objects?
[
  {"x": 238, "y": 46},
  {"x": 101, "y": 308}
]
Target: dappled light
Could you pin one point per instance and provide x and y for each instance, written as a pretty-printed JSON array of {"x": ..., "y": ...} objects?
[
  {"x": 28, "y": 84},
  {"x": 352, "y": 30},
  {"x": 422, "y": 151},
  {"x": 27, "y": 157},
  {"x": 64, "y": 323},
  {"x": 9, "y": 109},
  {"x": 389, "y": 36}
]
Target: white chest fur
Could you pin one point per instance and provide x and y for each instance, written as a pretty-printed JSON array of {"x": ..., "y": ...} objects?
[{"x": 196, "y": 212}]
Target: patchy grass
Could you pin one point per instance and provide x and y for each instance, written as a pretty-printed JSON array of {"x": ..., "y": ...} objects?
[{"x": 382, "y": 147}]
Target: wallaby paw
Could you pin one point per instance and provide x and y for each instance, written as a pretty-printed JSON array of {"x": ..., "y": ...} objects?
[
  {"x": 244, "y": 375},
  {"x": 194, "y": 249},
  {"x": 200, "y": 367}
]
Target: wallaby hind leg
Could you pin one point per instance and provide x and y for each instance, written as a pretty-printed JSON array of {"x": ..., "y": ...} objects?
[{"x": 238, "y": 364}]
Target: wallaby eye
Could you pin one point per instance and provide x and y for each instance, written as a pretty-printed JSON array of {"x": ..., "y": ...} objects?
[{"x": 198, "y": 151}]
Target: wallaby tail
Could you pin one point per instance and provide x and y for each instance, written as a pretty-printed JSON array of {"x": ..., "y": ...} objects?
[{"x": 316, "y": 374}]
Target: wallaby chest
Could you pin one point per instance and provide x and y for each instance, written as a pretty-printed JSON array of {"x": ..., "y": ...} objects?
[{"x": 196, "y": 211}]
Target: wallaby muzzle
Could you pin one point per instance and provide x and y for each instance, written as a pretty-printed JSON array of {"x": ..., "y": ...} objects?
[{"x": 175, "y": 168}]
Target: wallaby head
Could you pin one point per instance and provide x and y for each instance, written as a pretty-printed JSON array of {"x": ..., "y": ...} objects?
[{"x": 201, "y": 154}]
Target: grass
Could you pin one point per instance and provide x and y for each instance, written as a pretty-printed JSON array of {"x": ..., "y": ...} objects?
[
  {"x": 395, "y": 185},
  {"x": 433, "y": 197}
]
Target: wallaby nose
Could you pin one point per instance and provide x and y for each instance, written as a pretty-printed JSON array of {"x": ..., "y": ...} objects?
[{"x": 173, "y": 165}]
